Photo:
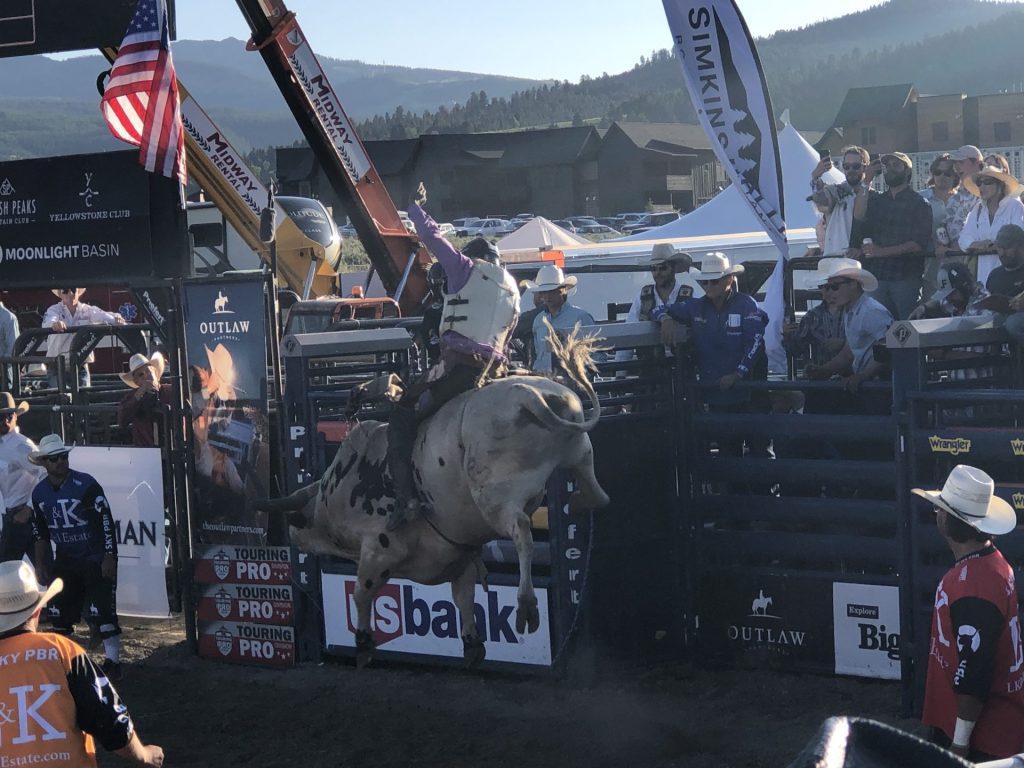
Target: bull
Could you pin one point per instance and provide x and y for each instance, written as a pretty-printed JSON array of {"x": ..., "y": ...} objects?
[{"x": 481, "y": 464}]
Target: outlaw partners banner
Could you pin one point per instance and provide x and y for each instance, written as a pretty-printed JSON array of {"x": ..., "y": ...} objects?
[{"x": 226, "y": 346}]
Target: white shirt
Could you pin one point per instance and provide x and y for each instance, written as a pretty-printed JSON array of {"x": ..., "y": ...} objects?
[
  {"x": 979, "y": 227},
  {"x": 18, "y": 476},
  {"x": 85, "y": 314}
]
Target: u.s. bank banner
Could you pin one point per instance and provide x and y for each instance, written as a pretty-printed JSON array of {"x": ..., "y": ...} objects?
[
  {"x": 226, "y": 346},
  {"x": 133, "y": 482},
  {"x": 727, "y": 86}
]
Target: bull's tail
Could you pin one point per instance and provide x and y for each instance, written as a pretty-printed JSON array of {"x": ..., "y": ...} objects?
[
  {"x": 294, "y": 504},
  {"x": 576, "y": 356}
]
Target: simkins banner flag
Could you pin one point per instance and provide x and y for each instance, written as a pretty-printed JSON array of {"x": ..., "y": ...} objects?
[{"x": 726, "y": 83}]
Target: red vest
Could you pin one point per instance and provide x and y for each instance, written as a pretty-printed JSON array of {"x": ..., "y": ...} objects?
[
  {"x": 34, "y": 689},
  {"x": 1000, "y": 728}
]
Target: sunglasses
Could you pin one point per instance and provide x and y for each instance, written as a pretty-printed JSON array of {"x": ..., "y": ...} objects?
[
  {"x": 853, "y": 166},
  {"x": 951, "y": 173},
  {"x": 54, "y": 459},
  {"x": 661, "y": 267},
  {"x": 834, "y": 286},
  {"x": 66, "y": 290},
  {"x": 716, "y": 281}
]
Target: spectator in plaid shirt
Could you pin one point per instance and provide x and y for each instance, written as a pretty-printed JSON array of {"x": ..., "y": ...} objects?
[{"x": 899, "y": 225}]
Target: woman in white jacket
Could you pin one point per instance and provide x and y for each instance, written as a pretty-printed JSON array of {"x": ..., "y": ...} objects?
[{"x": 998, "y": 206}]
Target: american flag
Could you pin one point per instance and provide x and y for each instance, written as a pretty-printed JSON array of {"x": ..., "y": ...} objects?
[{"x": 140, "y": 102}]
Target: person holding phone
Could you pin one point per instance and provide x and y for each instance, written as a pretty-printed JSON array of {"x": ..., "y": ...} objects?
[{"x": 835, "y": 201}]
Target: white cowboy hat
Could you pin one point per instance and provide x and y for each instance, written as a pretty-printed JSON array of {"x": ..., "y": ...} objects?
[
  {"x": 20, "y": 593},
  {"x": 850, "y": 268},
  {"x": 664, "y": 252},
  {"x": 1013, "y": 187},
  {"x": 715, "y": 265},
  {"x": 51, "y": 445},
  {"x": 156, "y": 362},
  {"x": 78, "y": 292},
  {"x": 967, "y": 495},
  {"x": 7, "y": 404},
  {"x": 549, "y": 278}
]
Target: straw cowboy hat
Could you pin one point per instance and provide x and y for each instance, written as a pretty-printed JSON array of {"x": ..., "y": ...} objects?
[
  {"x": 715, "y": 265},
  {"x": 156, "y": 362},
  {"x": 663, "y": 253},
  {"x": 51, "y": 445},
  {"x": 7, "y": 404},
  {"x": 549, "y": 278},
  {"x": 78, "y": 292},
  {"x": 20, "y": 593},
  {"x": 968, "y": 496},
  {"x": 1013, "y": 187},
  {"x": 850, "y": 268}
]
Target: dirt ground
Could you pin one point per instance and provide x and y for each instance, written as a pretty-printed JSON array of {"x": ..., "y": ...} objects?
[{"x": 205, "y": 713}]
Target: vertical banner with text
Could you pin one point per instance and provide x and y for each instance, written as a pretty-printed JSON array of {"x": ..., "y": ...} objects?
[
  {"x": 226, "y": 345},
  {"x": 727, "y": 86}
]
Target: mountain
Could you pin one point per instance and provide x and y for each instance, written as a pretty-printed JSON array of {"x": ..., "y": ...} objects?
[
  {"x": 931, "y": 43},
  {"x": 50, "y": 107}
]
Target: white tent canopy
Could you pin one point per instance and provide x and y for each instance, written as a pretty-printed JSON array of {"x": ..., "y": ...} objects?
[
  {"x": 728, "y": 213},
  {"x": 540, "y": 233}
]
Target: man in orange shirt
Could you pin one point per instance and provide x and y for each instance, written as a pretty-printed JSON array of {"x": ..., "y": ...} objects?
[{"x": 53, "y": 698}]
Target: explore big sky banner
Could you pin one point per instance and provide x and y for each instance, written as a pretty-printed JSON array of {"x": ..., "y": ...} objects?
[{"x": 727, "y": 86}]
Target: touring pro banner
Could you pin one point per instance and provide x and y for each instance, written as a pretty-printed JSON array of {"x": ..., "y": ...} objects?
[
  {"x": 726, "y": 83},
  {"x": 226, "y": 346}
]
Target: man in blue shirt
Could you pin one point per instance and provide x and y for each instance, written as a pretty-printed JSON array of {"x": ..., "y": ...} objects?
[
  {"x": 552, "y": 288},
  {"x": 728, "y": 337},
  {"x": 70, "y": 510}
]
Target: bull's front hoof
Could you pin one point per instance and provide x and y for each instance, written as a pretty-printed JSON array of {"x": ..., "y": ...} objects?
[
  {"x": 527, "y": 616},
  {"x": 364, "y": 649},
  {"x": 473, "y": 651}
]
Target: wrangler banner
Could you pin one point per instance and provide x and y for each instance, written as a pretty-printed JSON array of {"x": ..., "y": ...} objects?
[
  {"x": 226, "y": 346},
  {"x": 726, "y": 83}
]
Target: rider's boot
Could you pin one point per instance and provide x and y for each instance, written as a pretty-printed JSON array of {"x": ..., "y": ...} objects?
[{"x": 401, "y": 437}]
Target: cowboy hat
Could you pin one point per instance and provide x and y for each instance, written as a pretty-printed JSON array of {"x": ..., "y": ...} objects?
[
  {"x": 663, "y": 253},
  {"x": 902, "y": 157},
  {"x": 51, "y": 445},
  {"x": 851, "y": 268},
  {"x": 137, "y": 361},
  {"x": 549, "y": 278},
  {"x": 20, "y": 593},
  {"x": 1013, "y": 187},
  {"x": 715, "y": 265},
  {"x": 78, "y": 292},
  {"x": 967, "y": 495},
  {"x": 7, "y": 404}
]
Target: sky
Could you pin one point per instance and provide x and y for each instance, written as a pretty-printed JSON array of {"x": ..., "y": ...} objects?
[{"x": 538, "y": 39}]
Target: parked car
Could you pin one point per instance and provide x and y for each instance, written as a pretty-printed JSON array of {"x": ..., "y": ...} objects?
[
  {"x": 627, "y": 219},
  {"x": 347, "y": 230},
  {"x": 468, "y": 221},
  {"x": 565, "y": 224},
  {"x": 581, "y": 221},
  {"x": 525, "y": 216},
  {"x": 650, "y": 221},
  {"x": 608, "y": 221},
  {"x": 446, "y": 228},
  {"x": 486, "y": 228},
  {"x": 597, "y": 229}
]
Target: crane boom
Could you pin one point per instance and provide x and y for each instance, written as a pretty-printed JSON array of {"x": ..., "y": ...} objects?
[{"x": 397, "y": 256}]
